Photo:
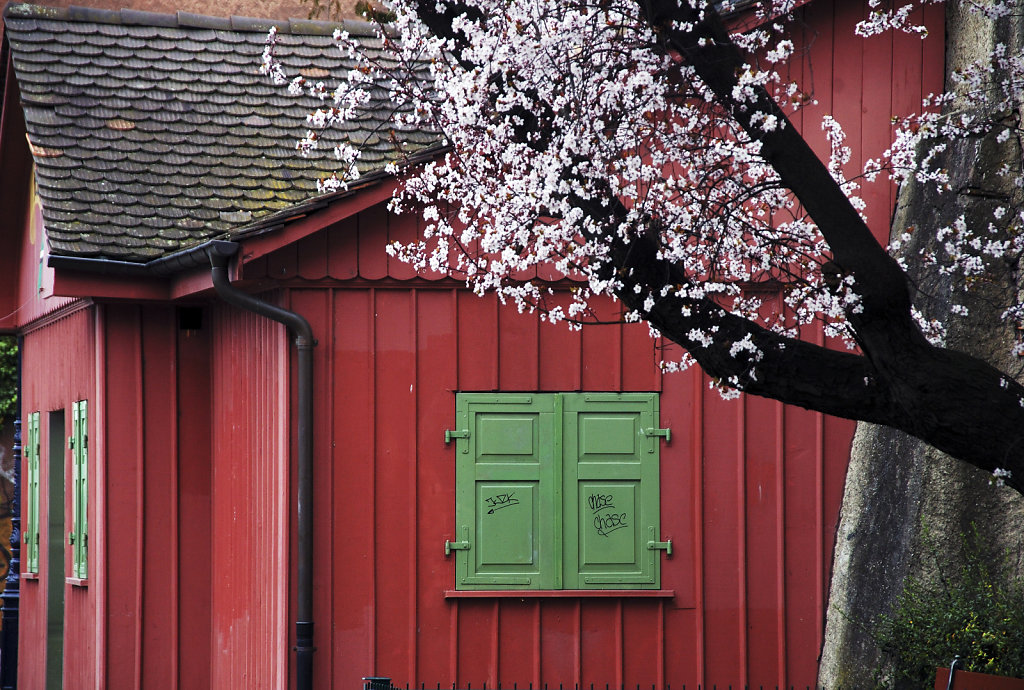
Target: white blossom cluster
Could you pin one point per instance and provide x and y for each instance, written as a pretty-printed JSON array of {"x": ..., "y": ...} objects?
[
  {"x": 555, "y": 110},
  {"x": 559, "y": 115},
  {"x": 999, "y": 476}
]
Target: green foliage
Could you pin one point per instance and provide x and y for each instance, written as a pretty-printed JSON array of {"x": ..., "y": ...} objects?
[
  {"x": 327, "y": 10},
  {"x": 969, "y": 613},
  {"x": 330, "y": 10},
  {"x": 371, "y": 13},
  {"x": 8, "y": 377}
]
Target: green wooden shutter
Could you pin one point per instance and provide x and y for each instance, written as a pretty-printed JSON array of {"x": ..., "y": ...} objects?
[
  {"x": 80, "y": 488},
  {"x": 506, "y": 497},
  {"x": 30, "y": 531},
  {"x": 611, "y": 507}
]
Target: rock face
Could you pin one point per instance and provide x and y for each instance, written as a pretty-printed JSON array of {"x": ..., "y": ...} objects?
[{"x": 896, "y": 483}]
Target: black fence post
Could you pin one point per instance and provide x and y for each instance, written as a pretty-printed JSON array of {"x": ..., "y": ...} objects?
[
  {"x": 11, "y": 595},
  {"x": 376, "y": 683}
]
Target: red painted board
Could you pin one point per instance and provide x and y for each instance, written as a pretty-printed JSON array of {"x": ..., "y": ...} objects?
[
  {"x": 518, "y": 350},
  {"x": 436, "y": 374},
  {"x": 602, "y": 348},
  {"x": 403, "y": 230},
  {"x": 313, "y": 256},
  {"x": 876, "y": 113},
  {"x": 641, "y": 359},
  {"x": 724, "y": 543},
  {"x": 395, "y": 451},
  {"x": 559, "y": 368},
  {"x": 603, "y": 645},
  {"x": 194, "y": 477},
  {"x": 284, "y": 262},
  {"x": 159, "y": 498},
  {"x": 818, "y": 74},
  {"x": 560, "y": 642},
  {"x": 477, "y": 646},
  {"x": 763, "y": 528},
  {"x": 124, "y": 451},
  {"x": 680, "y": 465},
  {"x": 343, "y": 249},
  {"x": 350, "y": 336},
  {"x": 802, "y": 457},
  {"x": 478, "y": 340},
  {"x": 373, "y": 237},
  {"x": 519, "y": 637},
  {"x": 643, "y": 644}
]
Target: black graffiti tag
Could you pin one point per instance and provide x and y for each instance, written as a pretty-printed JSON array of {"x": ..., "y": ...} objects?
[
  {"x": 600, "y": 502},
  {"x": 501, "y": 501},
  {"x": 609, "y": 522}
]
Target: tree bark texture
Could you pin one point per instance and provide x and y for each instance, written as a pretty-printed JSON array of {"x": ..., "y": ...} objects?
[{"x": 896, "y": 483}]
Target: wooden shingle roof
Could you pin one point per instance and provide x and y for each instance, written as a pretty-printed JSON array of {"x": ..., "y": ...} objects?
[{"x": 152, "y": 133}]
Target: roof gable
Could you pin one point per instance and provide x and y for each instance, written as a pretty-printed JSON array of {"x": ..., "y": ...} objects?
[{"x": 152, "y": 133}]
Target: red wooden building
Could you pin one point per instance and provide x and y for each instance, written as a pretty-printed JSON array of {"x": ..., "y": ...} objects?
[{"x": 135, "y": 145}]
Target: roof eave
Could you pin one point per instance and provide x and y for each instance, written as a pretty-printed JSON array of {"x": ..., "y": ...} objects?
[{"x": 261, "y": 237}]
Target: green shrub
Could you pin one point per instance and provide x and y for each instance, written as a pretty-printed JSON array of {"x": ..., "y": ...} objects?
[
  {"x": 8, "y": 377},
  {"x": 969, "y": 613}
]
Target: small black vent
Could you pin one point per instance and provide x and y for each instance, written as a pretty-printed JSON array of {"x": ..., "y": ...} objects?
[{"x": 190, "y": 318}]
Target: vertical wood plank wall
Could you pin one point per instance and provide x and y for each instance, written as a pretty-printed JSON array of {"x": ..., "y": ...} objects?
[
  {"x": 157, "y": 453},
  {"x": 740, "y": 483},
  {"x": 249, "y": 561},
  {"x": 54, "y": 376},
  {"x": 143, "y": 619},
  {"x": 750, "y": 488}
]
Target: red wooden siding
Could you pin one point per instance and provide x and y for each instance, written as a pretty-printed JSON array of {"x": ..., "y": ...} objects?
[
  {"x": 141, "y": 614},
  {"x": 741, "y": 490},
  {"x": 157, "y": 500},
  {"x": 750, "y": 489},
  {"x": 249, "y": 558},
  {"x": 55, "y": 376}
]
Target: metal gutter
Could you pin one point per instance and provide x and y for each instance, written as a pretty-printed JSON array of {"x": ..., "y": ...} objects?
[{"x": 219, "y": 254}]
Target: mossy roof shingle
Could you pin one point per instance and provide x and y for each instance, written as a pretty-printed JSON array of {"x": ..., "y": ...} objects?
[{"x": 152, "y": 133}]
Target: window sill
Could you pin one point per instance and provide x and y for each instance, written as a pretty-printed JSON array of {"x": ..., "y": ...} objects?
[
  {"x": 29, "y": 576},
  {"x": 561, "y": 594},
  {"x": 77, "y": 581}
]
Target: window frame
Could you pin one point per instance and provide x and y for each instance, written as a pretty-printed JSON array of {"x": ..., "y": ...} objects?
[
  {"x": 79, "y": 445},
  {"x": 30, "y": 529}
]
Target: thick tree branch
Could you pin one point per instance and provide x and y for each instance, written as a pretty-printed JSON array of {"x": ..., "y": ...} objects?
[{"x": 958, "y": 403}]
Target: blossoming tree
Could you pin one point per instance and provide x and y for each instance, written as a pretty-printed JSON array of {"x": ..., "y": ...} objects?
[{"x": 640, "y": 149}]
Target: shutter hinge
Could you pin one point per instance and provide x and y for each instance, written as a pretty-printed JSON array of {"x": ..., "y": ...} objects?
[
  {"x": 667, "y": 433},
  {"x": 655, "y": 545},
  {"x": 449, "y": 434},
  {"x": 450, "y": 546},
  {"x": 71, "y": 442},
  {"x": 71, "y": 538}
]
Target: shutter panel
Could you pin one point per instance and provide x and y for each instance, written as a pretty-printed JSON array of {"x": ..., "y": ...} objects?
[
  {"x": 31, "y": 530},
  {"x": 505, "y": 498},
  {"x": 80, "y": 480},
  {"x": 611, "y": 506}
]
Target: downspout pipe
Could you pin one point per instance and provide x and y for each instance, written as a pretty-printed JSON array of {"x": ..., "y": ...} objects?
[{"x": 220, "y": 253}]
